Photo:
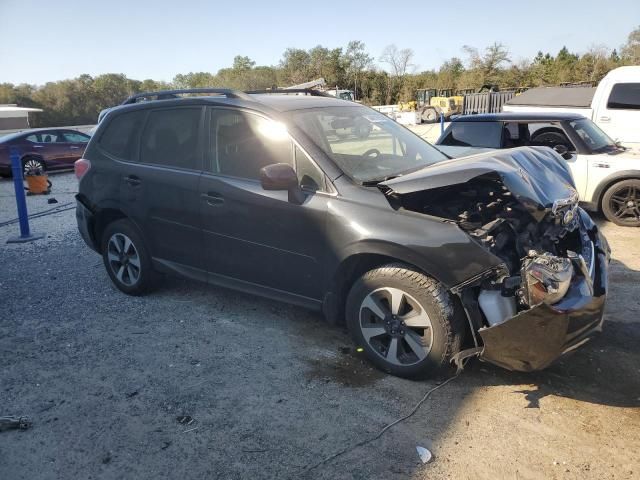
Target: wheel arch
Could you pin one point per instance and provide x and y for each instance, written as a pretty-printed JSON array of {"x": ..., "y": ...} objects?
[
  {"x": 105, "y": 216},
  {"x": 608, "y": 182},
  {"x": 357, "y": 263}
]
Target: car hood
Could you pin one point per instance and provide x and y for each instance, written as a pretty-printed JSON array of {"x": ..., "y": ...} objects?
[
  {"x": 536, "y": 176},
  {"x": 457, "y": 152}
]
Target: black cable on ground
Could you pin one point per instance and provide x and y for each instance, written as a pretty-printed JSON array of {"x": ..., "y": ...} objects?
[
  {"x": 43, "y": 213},
  {"x": 381, "y": 432}
]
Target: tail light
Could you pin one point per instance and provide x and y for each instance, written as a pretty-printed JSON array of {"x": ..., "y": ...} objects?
[{"x": 80, "y": 167}]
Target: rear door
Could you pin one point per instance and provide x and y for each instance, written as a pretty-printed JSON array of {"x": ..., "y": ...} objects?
[
  {"x": 252, "y": 235},
  {"x": 159, "y": 181}
]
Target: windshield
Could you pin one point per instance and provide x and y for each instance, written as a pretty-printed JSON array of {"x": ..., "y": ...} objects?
[
  {"x": 365, "y": 144},
  {"x": 595, "y": 138}
]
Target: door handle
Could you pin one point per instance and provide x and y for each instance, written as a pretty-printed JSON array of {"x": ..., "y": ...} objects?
[
  {"x": 212, "y": 198},
  {"x": 605, "y": 119},
  {"x": 133, "y": 180},
  {"x": 73, "y": 147}
]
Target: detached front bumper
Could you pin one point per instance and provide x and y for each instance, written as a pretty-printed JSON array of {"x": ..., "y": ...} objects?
[{"x": 535, "y": 338}]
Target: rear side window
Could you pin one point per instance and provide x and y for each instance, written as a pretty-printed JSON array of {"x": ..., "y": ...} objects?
[
  {"x": 74, "y": 137},
  {"x": 624, "y": 96},
  {"x": 120, "y": 135},
  {"x": 170, "y": 138},
  {"x": 474, "y": 134}
]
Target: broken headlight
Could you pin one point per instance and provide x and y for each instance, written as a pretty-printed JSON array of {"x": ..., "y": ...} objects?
[{"x": 545, "y": 278}]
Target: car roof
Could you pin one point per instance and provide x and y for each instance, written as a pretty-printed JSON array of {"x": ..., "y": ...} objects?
[
  {"x": 24, "y": 133},
  {"x": 285, "y": 103},
  {"x": 517, "y": 116},
  {"x": 278, "y": 102}
]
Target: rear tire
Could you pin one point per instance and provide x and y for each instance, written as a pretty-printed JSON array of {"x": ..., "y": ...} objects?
[
  {"x": 621, "y": 203},
  {"x": 127, "y": 259},
  {"x": 405, "y": 321}
]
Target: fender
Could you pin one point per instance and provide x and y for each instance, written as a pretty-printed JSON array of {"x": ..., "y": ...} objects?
[{"x": 438, "y": 270}]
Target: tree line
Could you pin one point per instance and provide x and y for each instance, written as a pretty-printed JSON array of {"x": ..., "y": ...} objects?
[{"x": 391, "y": 77}]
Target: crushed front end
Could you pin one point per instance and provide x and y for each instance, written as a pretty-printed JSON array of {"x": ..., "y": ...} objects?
[
  {"x": 559, "y": 301},
  {"x": 548, "y": 295}
]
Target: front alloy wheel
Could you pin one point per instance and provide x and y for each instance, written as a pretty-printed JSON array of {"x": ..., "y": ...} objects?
[
  {"x": 32, "y": 166},
  {"x": 406, "y": 322},
  {"x": 396, "y": 326}
]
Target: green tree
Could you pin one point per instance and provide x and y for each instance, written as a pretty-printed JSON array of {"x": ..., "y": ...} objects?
[
  {"x": 630, "y": 52},
  {"x": 357, "y": 60}
]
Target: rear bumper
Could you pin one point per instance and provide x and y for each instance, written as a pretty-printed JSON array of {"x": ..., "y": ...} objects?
[
  {"x": 85, "y": 219},
  {"x": 535, "y": 338}
]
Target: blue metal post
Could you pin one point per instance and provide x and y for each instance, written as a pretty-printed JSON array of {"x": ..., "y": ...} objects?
[
  {"x": 441, "y": 123},
  {"x": 21, "y": 202}
]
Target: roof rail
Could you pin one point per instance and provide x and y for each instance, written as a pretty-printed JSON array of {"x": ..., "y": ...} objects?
[
  {"x": 168, "y": 94},
  {"x": 306, "y": 91}
]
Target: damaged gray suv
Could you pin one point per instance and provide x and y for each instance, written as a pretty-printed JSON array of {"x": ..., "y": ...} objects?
[{"x": 331, "y": 205}]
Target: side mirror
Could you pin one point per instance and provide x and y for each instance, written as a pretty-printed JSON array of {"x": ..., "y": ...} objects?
[
  {"x": 281, "y": 176},
  {"x": 560, "y": 149},
  {"x": 563, "y": 151}
]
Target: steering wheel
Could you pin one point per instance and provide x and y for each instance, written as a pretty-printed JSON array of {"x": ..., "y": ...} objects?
[{"x": 372, "y": 152}]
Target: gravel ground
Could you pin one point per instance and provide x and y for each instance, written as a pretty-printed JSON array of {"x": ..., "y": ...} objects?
[{"x": 200, "y": 382}]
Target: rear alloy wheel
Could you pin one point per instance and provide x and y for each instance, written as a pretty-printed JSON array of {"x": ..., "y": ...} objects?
[
  {"x": 405, "y": 321},
  {"x": 126, "y": 259},
  {"x": 621, "y": 203},
  {"x": 32, "y": 166}
]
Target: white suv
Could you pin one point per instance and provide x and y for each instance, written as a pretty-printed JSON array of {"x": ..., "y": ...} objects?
[{"x": 607, "y": 175}]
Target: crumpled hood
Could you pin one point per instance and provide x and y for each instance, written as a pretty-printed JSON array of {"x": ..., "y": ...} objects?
[{"x": 536, "y": 176}]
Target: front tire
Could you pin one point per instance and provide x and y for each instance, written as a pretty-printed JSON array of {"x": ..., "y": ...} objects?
[
  {"x": 621, "y": 203},
  {"x": 32, "y": 166},
  {"x": 126, "y": 258},
  {"x": 405, "y": 321}
]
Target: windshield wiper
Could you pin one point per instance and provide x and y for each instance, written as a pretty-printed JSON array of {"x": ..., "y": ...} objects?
[{"x": 373, "y": 183}]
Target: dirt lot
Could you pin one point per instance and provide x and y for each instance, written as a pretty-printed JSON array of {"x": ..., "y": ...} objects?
[{"x": 269, "y": 390}]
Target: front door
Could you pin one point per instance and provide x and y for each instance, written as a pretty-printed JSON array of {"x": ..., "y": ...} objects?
[{"x": 249, "y": 234}]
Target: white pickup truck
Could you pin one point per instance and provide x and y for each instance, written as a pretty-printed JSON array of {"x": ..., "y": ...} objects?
[{"x": 614, "y": 105}]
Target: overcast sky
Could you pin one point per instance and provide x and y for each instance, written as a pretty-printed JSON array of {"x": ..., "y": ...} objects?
[{"x": 48, "y": 40}]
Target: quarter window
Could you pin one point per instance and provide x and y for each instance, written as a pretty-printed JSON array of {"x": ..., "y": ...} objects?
[
  {"x": 243, "y": 143},
  {"x": 121, "y": 133},
  {"x": 170, "y": 138},
  {"x": 624, "y": 96},
  {"x": 309, "y": 175}
]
